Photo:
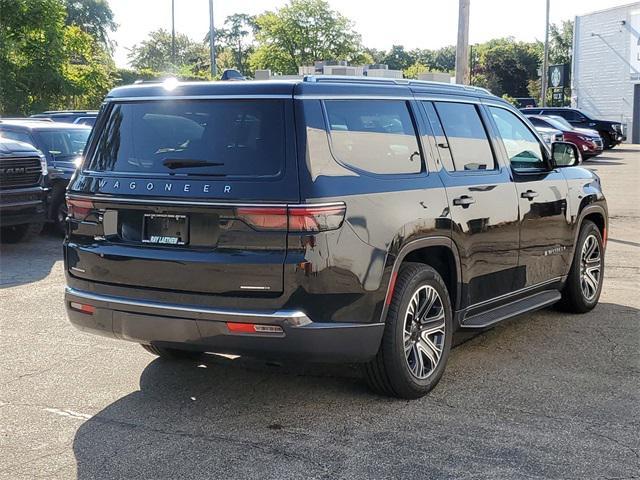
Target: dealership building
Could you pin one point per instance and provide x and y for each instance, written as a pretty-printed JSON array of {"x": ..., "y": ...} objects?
[{"x": 605, "y": 77}]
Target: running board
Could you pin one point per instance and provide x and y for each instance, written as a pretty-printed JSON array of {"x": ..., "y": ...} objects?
[{"x": 528, "y": 304}]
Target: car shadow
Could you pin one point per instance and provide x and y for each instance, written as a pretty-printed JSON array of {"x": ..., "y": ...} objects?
[
  {"x": 242, "y": 418},
  {"x": 28, "y": 262}
]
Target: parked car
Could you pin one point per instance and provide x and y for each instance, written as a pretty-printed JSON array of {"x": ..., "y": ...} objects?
[
  {"x": 62, "y": 144},
  {"x": 332, "y": 218},
  {"x": 523, "y": 102},
  {"x": 22, "y": 193},
  {"x": 68, "y": 116},
  {"x": 550, "y": 135},
  {"x": 588, "y": 145},
  {"x": 610, "y": 132}
]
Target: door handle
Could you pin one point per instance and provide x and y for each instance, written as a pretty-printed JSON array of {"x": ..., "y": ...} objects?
[
  {"x": 530, "y": 194},
  {"x": 464, "y": 201}
]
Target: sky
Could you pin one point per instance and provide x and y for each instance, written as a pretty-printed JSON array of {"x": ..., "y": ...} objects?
[{"x": 412, "y": 23}]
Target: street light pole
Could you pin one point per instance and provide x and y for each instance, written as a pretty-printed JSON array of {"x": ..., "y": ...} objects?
[
  {"x": 545, "y": 60},
  {"x": 462, "y": 47},
  {"x": 212, "y": 41},
  {"x": 173, "y": 32}
]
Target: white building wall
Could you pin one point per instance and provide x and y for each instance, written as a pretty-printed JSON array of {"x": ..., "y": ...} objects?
[{"x": 603, "y": 76}]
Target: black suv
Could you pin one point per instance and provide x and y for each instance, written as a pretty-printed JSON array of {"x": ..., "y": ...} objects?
[
  {"x": 22, "y": 196},
  {"x": 61, "y": 144},
  {"x": 330, "y": 218},
  {"x": 82, "y": 117},
  {"x": 611, "y": 132}
]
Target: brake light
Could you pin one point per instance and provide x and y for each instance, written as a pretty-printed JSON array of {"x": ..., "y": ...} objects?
[
  {"x": 264, "y": 218},
  {"x": 297, "y": 218},
  {"x": 316, "y": 219},
  {"x": 79, "y": 209}
]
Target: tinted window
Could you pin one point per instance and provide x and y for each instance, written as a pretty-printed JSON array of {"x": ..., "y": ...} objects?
[
  {"x": 538, "y": 122},
  {"x": 570, "y": 115},
  {"x": 466, "y": 136},
  {"x": 199, "y": 137},
  {"x": 63, "y": 143},
  {"x": 441, "y": 139},
  {"x": 523, "y": 149},
  {"x": 18, "y": 136},
  {"x": 376, "y": 136}
]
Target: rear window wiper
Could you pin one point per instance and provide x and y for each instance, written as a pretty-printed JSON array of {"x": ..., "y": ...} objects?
[{"x": 188, "y": 163}]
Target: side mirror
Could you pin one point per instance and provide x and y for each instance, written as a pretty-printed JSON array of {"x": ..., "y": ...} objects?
[{"x": 565, "y": 154}]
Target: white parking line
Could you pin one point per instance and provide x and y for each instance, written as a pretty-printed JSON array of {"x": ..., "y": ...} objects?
[{"x": 69, "y": 413}]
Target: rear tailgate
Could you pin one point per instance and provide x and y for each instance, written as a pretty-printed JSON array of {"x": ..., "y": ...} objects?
[{"x": 165, "y": 196}]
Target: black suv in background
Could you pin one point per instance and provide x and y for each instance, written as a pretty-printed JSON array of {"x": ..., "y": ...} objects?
[
  {"x": 22, "y": 196},
  {"x": 82, "y": 117},
  {"x": 343, "y": 219},
  {"x": 62, "y": 144},
  {"x": 611, "y": 132}
]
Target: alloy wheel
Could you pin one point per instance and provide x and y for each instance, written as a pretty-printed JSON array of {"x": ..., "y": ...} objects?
[
  {"x": 424, "y": 332},
  {"x": 590, "y": 267}
]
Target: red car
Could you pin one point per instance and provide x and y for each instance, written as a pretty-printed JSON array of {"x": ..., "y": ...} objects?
[{"x": 590, "y": 145}]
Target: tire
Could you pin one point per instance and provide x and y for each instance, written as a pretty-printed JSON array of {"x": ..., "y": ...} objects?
[
  {"x": 392, "y": 371},
  {"x": 59, "y": 212},
  {"x": 20, "y": 233},
  {"x": 606, "y": 141},
  {"x": 172, "y": 353},
  {"x": 579, "y": 294}
]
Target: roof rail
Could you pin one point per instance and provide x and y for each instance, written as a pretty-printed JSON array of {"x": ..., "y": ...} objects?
[{"x": 393, "y": 81}]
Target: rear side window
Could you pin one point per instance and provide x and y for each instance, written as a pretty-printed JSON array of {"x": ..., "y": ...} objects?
[
  {"x": 376, "y": 136},
  {"x": 63, "y": 143},
  {"x": 466, "y": 136},
  {"x": 243, "y": 138}
]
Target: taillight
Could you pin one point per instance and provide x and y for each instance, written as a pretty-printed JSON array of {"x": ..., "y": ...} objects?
[
  {"x": 264, "y": 218},
  {"x": 316, "y": 219},
  {"x": 79, "y": 209},
  {"x": 298, "y": 218}
]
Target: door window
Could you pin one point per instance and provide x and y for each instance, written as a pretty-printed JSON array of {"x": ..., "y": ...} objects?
[
  {"x": 466, "y": 136},
  {"x": 376, "y": 136},
  {"x": 522, "y": 146}
]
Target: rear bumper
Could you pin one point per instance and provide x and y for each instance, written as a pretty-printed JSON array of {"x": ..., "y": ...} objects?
[{"x": 205, "y": 329}]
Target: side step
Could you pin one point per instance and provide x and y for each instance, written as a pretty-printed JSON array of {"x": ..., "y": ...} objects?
[{"x": 528, "y": 304}]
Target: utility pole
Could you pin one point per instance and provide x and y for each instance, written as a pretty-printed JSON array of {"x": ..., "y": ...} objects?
[
  {"x": 545, "y": 60},
  {"x": 173, "y": 33},
  {"x": 462, "y": 47},
  {"x": 212, "y": 41}
]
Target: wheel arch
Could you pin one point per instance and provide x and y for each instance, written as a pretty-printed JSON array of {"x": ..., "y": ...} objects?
[
  {"x": 440, "y": 253},
  {"x": 598, "y": 215}
]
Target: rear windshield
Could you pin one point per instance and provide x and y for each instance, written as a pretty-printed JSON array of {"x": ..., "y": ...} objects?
[{"x": 194, "y": 137}]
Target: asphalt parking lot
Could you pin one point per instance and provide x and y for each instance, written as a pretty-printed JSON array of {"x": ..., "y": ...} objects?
[{"x": 547, "y": 395}]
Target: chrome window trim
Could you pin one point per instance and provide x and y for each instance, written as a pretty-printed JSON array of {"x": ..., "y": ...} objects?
[{"x": 196, "y": 97}]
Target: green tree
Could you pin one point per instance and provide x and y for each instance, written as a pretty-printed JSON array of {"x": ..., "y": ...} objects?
[
  {"x": 94, "y": 17},
  {"x": 31, "y": 54},
  {"x": 506, "y": 66},
  {"x": 88, "y": 70},
  {"x": 155, "y": 54},
  {"x": 414, "y": 70},
  {"x": 444, "y": 59},
  {"x": 300, "y": 33},
  {"x": 398, "y": 58},
  {"x": 237, "y": 37},
  {"x": 561, "y": 42}
]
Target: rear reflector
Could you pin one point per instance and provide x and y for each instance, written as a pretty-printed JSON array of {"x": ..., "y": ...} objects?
[
  {"x": 253, "y": 328},
  {"x": 297, "y": 218},
  {"x": 84, "y": 308},
  {"x": 79, "y": 209}
]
